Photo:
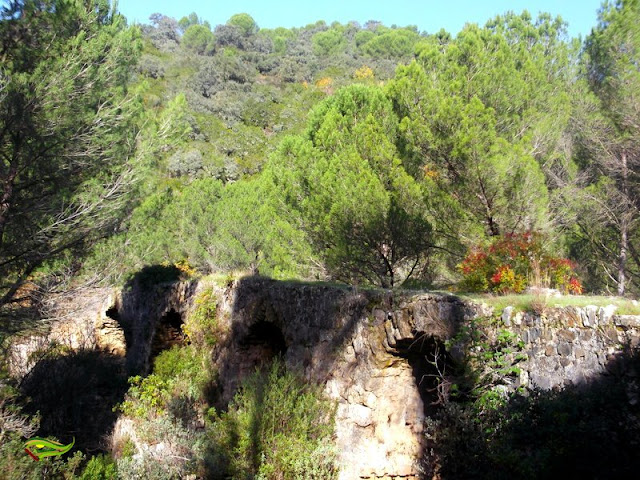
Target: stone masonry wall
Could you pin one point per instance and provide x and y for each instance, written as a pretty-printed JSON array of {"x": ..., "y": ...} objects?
[
  {"x": 571, "y": 344},
  {"x": 365, "y": 347}
]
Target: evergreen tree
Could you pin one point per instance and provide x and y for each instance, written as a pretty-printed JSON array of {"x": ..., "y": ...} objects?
[
  {"x": 363, "y": 213},
  {"x": 613, "y": 54},
  {"x": 67, "y": 130}
]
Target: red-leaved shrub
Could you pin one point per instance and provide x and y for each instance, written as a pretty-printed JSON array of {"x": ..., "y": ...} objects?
[{"x": 513, "y": 262}]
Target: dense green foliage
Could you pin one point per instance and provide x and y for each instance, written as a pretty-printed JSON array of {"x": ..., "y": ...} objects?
[
  {"x": 358, "y": 153},
  {"x": 277, "y": 427},
  {"x": 346, "y": 186},
  {"x": 504, "y": 129},
  {"x": 378, "y": 183},
  {"x": 67, "y": 130}
]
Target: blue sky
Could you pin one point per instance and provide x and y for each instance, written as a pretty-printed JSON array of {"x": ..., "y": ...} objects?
[{"x": 429, "y": 15}]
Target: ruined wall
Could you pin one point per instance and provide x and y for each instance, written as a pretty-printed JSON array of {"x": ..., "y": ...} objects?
[
  {"x": 360, "y": 345},
  {"x": 118, "y": 322},
  {"x": 77, "y": 323},
  {"x": 571, "y": 344},
  {"x": 140, "y": 308},
  {"x": 368, "y": 348}
]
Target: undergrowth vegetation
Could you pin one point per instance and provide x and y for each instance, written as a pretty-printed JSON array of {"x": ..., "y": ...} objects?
[
  {"x": 278, "y": 426},
  {"x": 586, "y": 431},
  {"x": 489, "y": 427}
]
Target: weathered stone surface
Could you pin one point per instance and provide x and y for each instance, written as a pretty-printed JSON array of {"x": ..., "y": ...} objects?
[
  {"x": 77, "y": 322},
  {"x": 359, "y": 352},
  {"x": 605, "y": 314},
  {"x": 627, "y": 321},
  {"x": 590, "y": 316},
  {"x": 506, "y": 316},
  {"x": 567, "y": 335},
  {"x": 359, "y": 345}
]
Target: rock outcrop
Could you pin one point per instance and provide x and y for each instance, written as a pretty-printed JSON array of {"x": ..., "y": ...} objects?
[{"x": 78, "y": 323}]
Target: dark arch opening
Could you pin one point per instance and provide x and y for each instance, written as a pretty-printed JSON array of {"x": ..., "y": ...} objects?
[
  {"x": 113, "y": 313},
  {"x": 168, "y": 333},
  {"x": 260, "y": 346},
  {"x": 265, "y": 333},
  {"x": 432, "y": 368}
]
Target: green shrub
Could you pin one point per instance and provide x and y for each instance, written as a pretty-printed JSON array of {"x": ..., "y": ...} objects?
[
  {"x": 589, "y": 431},
  {"x": 277, "y": 427},
  {"x": 179, "y": 373},
  {"x": 491, "y": 362},
  {"x": 146, "y": 396},
  {"x": 100, "y": 467},
  {"x": 201, "y": 326}
]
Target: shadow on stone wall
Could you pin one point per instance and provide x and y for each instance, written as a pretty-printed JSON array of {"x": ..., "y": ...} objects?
[
  {"x": 307, "y": 325},
  {"x": 75, "y": 393},
  {"x": 588, "y": 431},
  {"x": 378, "y": 354},
  {"x": 75, "y": 390},
  {"x": 152, "y": 307}
]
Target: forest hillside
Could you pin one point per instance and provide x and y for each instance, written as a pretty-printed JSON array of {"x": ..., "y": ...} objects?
[{"x": 500, "y": 160}]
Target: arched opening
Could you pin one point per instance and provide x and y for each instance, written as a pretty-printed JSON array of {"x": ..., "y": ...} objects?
[
  {"x": 113, "y": 313},
  {"x": 168, "y": 333},
  {"x": 432, "y": 369},
  {"x": 260, "y": 346}
]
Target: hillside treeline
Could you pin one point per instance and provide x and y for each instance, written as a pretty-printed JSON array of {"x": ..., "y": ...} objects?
[{"x": 363, "y": 154}]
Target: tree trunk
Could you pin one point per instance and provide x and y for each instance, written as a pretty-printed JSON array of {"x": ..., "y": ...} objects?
[
  {"x": 624, "y": 228},
  {"x": 622, "y": 263},
  {"x": 493, "y": 226}
]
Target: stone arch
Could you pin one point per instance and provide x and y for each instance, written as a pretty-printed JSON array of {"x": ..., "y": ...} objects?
[
  {"x": 263, "y": 342},
  {"x": 168, "y": 332}
]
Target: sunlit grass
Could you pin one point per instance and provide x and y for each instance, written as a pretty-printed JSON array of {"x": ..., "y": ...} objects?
[{"x": 524, "y": 302}]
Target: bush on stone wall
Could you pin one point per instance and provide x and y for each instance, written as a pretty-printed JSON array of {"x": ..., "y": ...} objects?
[
  {"x": 277, "y": 427},
  {"x": 512, "y": 262}
]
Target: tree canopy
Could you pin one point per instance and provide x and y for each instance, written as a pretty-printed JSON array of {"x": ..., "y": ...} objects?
[{"x": 67, "y": 128}]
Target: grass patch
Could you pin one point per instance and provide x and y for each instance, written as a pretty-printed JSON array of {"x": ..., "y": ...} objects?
[{"x": 524, "y": 303}]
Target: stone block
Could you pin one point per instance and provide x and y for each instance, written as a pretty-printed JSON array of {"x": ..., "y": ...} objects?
[
  {"x": 605, "y": 314},
  {"x": 359, "y": 414},
  {"x": 590, "y": 316},
  {"x": 542, "y": 381},
  {"x": 506, "y": 316},
  {"x": 550, "y": 350},
  {"x": 379, "y": 316},
  {"x": 567, "y": 335},
  {"x": 610, "y": 334},
  {"x": 627, "y": 321},
  {"x": 572, "y": 317},
  {"x": 564, "y": 349},
  {"x": 534, "y": 334},
  {"x": 517, "y": 318}
]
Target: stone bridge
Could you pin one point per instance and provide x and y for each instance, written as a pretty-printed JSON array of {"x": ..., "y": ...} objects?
[{"x": 376, "y": 352}]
